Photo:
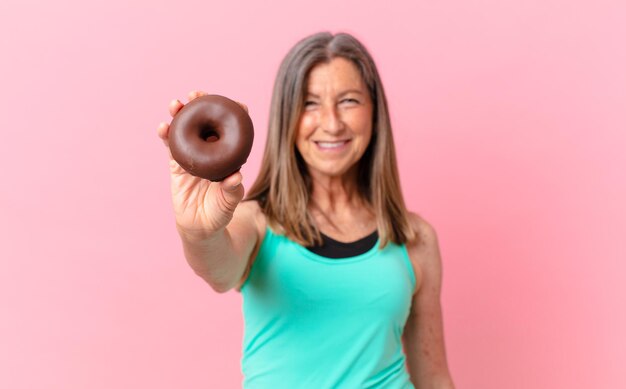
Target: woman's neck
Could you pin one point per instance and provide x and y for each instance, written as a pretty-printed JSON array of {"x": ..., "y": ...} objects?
[
  {"x": 339, "y": 210},
  {"x": 331, "y": 194}
]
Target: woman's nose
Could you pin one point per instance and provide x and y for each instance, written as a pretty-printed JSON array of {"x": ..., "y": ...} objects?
[{"x": 331, "y": 120}]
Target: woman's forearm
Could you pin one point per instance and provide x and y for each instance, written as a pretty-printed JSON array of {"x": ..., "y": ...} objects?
[{"x": 215, "y": 259}]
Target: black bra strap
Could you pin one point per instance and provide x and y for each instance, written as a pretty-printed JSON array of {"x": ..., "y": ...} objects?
[{"x": 331, "y": 248}]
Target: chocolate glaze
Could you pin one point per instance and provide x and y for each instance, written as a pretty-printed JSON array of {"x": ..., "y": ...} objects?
[{"x": 211, "y": 137}]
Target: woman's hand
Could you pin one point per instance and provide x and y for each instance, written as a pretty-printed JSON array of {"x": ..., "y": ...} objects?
[{"x": 201, "y": 207}]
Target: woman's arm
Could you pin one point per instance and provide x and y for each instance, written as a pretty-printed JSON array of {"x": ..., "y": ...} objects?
[
  {"x": 423, "y": 337},
  {"x": 219, "y": 233},
  {"x": 223, "y": 258}
]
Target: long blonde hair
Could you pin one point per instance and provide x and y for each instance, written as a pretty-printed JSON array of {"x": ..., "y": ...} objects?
[{"x": 283, "y": 186}]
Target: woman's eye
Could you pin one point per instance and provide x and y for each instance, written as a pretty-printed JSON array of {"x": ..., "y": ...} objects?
[
  {"x": 350, "y": 101},
  {"x": 310, "y": 104}
]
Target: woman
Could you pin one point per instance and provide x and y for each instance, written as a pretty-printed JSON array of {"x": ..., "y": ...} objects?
[{"x": 340, "y": 283}]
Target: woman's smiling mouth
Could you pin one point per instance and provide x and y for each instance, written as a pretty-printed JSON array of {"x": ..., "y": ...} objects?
[{"x": 331, "y": 145}]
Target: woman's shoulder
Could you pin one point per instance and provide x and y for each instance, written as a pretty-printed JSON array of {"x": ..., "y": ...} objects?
[
  {"x": 424, "y": 250},
  {"x": 425, "y": 234}
]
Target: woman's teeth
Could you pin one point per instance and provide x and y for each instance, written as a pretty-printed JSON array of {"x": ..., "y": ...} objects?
[{"x": 330, "y": 145}]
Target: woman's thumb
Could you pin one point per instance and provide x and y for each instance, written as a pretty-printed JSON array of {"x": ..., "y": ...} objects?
[{"x": 232, "y": 188}]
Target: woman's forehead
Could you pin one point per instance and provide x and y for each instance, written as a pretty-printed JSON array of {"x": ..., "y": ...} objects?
[{"x": 339, "y": 75}]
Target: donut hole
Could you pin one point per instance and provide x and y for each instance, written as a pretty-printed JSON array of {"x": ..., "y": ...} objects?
[{"x": 208, "y": 134}]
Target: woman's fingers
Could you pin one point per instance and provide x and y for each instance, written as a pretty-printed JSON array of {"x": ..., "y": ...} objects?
[
  {"x": 194, "y": 94},
  {"x": 232, "y": 190},
  {"x": 163, "y": 132},
  {"x": 175, "y": 106},
  {"x": 242, "y": 105},
  {"x": 231, "y": 182},
  {"x": 175, "y": 168}
]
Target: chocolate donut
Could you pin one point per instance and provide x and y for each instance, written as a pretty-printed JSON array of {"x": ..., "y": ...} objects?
[{"x": 211, "y": 137}]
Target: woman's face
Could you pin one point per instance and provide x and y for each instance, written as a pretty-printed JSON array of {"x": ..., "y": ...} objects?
[{"x": 335, "y": 127}]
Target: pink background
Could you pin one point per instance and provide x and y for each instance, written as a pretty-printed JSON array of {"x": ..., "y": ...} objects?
[{"x": 510, "y": 121}]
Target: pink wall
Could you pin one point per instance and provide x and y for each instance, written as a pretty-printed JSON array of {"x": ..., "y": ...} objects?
[{"x": 510, "y": 120}]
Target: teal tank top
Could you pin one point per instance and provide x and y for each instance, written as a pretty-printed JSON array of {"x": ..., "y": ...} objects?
[{"x": 321, "y": 323}]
